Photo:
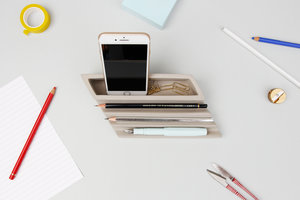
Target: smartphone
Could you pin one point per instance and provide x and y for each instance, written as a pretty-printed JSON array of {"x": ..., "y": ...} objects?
[{"x": 125, "y": 59}]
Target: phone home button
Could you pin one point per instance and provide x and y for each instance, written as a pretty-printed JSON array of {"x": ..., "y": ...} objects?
[{"x": 126, "y": 93}]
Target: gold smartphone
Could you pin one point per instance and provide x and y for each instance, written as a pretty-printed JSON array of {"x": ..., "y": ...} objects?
[{"x": 125, "y": 60}]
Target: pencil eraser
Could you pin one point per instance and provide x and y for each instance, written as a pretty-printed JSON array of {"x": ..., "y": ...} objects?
[{"x": 154, "y": 11}]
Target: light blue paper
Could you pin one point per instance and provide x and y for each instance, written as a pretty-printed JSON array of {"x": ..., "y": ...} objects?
[{"x": 155, "y": 11}]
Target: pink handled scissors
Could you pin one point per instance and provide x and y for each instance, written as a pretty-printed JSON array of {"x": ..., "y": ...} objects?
[{"x": 222, "y": 179}]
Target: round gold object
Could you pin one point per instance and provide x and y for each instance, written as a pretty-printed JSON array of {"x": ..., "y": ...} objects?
[{"x": 277, "y": 95}]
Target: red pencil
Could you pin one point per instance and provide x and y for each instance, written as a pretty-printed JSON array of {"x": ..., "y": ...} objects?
[{"x": 32, "y": 133}]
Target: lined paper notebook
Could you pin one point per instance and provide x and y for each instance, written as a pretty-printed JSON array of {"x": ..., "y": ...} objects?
[{"x": 47, "y": 167}]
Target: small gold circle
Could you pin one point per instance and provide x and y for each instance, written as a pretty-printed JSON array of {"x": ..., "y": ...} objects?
[{"x": 277, "y": 96}]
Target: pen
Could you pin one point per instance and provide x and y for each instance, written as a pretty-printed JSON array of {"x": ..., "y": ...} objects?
[
  {"x": 168, "y": 131},
  {"x": 128, "y": 105},
  {"x": 32, "y": 133}
]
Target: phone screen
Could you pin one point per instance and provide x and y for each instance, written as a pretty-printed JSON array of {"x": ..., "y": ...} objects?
[{"x": 125, "y": 66}]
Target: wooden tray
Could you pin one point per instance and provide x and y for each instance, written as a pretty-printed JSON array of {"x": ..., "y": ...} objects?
[{"x": 96, "y": 85}]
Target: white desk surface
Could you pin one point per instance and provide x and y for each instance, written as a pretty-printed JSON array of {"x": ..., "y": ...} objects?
[{"x": 260, "y": 142}]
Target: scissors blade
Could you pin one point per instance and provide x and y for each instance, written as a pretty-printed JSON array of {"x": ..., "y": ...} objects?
[
  {"x": 222, "y": 171},
  {"x": 218, "y": 177}
]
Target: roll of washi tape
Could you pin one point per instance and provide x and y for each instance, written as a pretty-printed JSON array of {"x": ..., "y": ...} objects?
[
  {"x": 27, "y": 11},
  {"x": 277, "y": 96}
]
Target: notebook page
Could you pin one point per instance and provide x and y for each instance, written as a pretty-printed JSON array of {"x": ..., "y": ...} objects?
[{"x": 47, "y": 167}]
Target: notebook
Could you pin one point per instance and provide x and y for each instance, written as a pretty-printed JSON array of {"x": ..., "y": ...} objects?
[
  {"x": 47, "y": 168},
  {"x": 156, "y": 11}
]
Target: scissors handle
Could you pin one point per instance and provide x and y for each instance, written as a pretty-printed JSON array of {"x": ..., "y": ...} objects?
[
  {"x": 235, "y": 192},
  {"x": 245, "y": 189}
]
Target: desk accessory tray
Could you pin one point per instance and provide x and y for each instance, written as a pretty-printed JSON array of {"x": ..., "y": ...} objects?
[{"x": 96, "y": 85}]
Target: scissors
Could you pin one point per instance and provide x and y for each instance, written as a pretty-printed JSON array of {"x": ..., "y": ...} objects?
[{"x": 224, "y": 176}]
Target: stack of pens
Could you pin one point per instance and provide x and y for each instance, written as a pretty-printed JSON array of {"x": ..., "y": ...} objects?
[{"x": 159, "y": 119}]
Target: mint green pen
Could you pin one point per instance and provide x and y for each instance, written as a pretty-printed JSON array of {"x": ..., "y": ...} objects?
[{"x": 168, "y": 131}]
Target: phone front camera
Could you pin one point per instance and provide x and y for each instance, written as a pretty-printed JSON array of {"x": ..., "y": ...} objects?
[{"x": 115, "y": 39}]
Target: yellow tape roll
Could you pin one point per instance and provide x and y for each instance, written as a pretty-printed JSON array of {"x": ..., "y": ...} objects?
[{"x": 25, "y": 14}]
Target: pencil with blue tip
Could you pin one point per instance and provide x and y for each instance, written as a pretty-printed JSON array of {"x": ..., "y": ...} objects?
[{"x": 277, "y": 42}]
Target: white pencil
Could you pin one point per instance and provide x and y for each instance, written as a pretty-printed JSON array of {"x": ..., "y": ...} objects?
[{"x": 262, "y": 57}]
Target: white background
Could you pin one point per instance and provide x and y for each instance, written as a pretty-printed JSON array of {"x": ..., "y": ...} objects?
[{"x": 260, "y": 141}]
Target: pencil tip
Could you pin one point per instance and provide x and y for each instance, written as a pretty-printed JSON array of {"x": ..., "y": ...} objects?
[
  {"x": 111, "y": 119},
  {"x": 252, "y": 38},
  {"x": 100, "y": 105},
  {"x": 53, "y": 90}
]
